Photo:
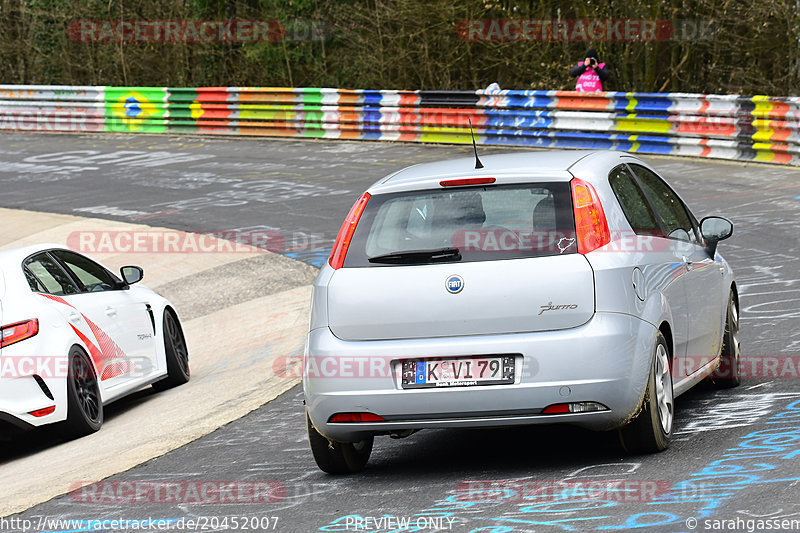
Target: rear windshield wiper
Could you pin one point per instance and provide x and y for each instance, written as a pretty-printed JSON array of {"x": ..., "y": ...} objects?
[{"x": 407, "y": 257}]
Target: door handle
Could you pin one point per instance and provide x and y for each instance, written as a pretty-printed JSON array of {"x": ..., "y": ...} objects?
[
  {"x": 74, "y": 317},
  {"x": 110, "y": 311}
]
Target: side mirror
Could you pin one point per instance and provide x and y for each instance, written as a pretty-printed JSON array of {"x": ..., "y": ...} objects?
[
  {"x": 131, "y": 274},
  {"x": 715, "y": 229}
]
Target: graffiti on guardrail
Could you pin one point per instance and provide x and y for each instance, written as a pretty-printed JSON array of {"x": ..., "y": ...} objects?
[{"x": 744, "y": 128}]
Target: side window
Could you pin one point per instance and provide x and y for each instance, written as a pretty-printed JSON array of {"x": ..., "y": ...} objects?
[
  {"x": 50, "y": 277},
  {"x": 634, "y": 204},
  {"x": 33, "y": 281},
  {"x": 92, "y": 276},
  {"x": 667, "y": 205}
]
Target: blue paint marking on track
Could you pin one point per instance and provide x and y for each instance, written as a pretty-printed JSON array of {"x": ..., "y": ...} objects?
[
  {"x": 707, "y": 490},
  {"x": 699, "y": 496},
  {"x": 316, "y": 257}
]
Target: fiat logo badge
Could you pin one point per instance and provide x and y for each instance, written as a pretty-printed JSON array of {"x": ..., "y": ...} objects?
[{"x": 454, "y": 284}]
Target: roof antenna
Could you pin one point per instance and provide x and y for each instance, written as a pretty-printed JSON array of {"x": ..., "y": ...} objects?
[{"x": 478, "y": 163}]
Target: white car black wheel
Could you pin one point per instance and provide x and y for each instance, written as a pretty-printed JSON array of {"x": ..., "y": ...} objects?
[
  {"x": 176, "y": 351},
  {"x": 84, "y": 406}
]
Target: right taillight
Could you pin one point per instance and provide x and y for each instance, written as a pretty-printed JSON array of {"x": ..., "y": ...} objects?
[
  {"x": 342, "y": 243},
  {"x": 591, "y": 226},
  {"x": 18, "y": 331}
]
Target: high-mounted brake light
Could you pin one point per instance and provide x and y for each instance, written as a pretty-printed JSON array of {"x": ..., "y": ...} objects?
[
  {"x": 355, "y": 417},
  {"x": 591, "y": 225},
  {"x": 18, "y": 331},
  {"x": 466, "y": 181},
  {"x": 342, "y": 243}
]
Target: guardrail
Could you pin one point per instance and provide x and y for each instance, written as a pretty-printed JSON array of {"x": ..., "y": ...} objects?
[{"x": 757, "y": 128}]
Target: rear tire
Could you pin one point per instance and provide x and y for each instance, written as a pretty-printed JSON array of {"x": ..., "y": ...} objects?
[
  {"x": 728, "y": 373},
  {"x": 338, "y": 457},
  {"x": 176, "y": 351},
  {"x": 650, "y": 431},
  {"x": 84, "y": 406}
]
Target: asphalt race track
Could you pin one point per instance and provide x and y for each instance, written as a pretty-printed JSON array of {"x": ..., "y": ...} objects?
[
  {"x": 299, "y": 188},
  {"x": 734, "y": 456}
]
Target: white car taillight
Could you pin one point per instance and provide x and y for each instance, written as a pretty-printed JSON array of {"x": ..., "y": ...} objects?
[
  {"x": 18, "y": 331},
  {"x": 342, "y": 243}
]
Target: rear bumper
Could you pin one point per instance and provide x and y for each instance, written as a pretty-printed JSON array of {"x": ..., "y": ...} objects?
[
  {"x": 607, "y": 360},
  {"x": 20, "y": 393}
]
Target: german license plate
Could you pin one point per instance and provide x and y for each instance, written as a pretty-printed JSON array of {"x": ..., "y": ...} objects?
[{"x": 458, "y": 372}]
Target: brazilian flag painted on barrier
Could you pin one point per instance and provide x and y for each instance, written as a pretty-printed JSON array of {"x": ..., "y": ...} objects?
[{"x": 136, "y": 109}]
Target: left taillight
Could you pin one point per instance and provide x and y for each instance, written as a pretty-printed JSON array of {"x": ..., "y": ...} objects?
[
  {"x": 339, "y": 418},
  {"x": 43, "y": 412},
  {"x": 18, "y": 331},
  {"x": 342, "y": 243},
  {"x": 591, "y": 225}
]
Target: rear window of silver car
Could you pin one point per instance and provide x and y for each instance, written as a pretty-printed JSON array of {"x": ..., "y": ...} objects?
[{"x": 482, "y": 223}]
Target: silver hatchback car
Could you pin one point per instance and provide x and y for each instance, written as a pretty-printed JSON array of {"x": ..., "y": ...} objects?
[{"x": 544, "y": 287}]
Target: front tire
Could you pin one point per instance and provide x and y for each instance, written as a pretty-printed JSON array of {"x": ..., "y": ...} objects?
[
  {"x": 650, "y": 431},
  {"x": 338, "y": 457},
  {"x": 728, "y": 373},
  {"x": 176, "y": 351},
  {"x": 84, "y": 406}
]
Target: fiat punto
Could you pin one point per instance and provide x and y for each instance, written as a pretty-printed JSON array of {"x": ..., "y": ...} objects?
[{"x": 547, "y": 287}]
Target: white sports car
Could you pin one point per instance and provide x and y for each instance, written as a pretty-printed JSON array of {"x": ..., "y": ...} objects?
[{"x": 76, "y": 337}]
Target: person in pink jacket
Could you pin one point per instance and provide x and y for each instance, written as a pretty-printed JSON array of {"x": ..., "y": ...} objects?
[{"x": 590, "y": 73}]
